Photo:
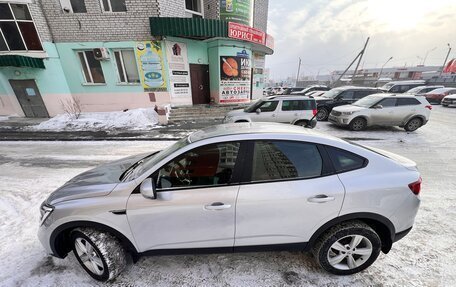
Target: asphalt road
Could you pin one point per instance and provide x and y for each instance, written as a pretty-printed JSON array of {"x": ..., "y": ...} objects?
[{"x": 30, "y": 170}]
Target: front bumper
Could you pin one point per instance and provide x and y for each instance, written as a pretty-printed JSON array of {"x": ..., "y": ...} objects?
[
  {"x": 339, "y": 120},
  {"x": 449, "y": 103}
]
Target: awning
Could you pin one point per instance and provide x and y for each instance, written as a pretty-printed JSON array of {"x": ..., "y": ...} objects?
[{"x": 21, "y": 61}]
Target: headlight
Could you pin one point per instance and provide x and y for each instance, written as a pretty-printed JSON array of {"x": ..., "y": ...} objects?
[
  {"x": 45, "y": 211},
  {"x": 347, "y": 113}
]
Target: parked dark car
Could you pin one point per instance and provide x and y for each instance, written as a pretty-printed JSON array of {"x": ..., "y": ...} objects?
[
  {"x": 436, "y": 96},
  {"x": 399, "y": 87},
  {"x": 341, "y": 96}
]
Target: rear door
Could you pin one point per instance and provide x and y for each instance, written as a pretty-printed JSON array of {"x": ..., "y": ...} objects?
[
  {"x": 292, "y": 110},
  {"x": 286, "y": 193},
  {"x": 405, "y": 109}
]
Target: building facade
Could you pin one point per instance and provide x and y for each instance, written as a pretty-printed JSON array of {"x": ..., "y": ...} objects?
[{"x": 112, "y": 55}]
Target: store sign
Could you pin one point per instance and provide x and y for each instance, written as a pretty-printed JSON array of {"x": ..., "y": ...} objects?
[
  {"x": 246, "y": 33},
  {"x": 269, "y": 42},
  {"x": 235, "y": 73},
  {"x": 179, "y": 71},
  {"x": 149, "y": 55},
  {"x": 239, "y": 11}
]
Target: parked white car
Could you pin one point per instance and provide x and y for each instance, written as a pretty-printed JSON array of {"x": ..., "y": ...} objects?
[
  {"x": 449, "y": 101},
  {"x": 296, "y": 110},
  {"x": 402, "y": 110}
]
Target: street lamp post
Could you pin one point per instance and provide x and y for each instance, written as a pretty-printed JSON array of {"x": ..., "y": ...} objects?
[
  {"x": 425, "y": 56},
  {"x": 446, "y": 58},
  {"x": 381, "y": 70}
]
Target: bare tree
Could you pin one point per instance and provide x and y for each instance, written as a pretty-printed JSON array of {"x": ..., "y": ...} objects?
[{"x": 72, "y": 107}]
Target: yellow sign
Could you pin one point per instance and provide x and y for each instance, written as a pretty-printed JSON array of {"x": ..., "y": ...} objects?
[{"x": 149, "y": 55}]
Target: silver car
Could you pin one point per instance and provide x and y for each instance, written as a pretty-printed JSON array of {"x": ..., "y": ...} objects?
[
  {"x": 237, "y": 187},
  {"x": 402, "y": 110},
  {"x": 296, "y": 110}
]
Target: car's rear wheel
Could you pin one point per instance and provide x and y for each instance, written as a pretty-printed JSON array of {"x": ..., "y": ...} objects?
[
  {"x": 358, "y": 124},
  {"x": 99, "y": 253},
  {"x": 322, "y": 114},
  {"x": 413, "y": 124},
  {"x": 347, "y": 248}
]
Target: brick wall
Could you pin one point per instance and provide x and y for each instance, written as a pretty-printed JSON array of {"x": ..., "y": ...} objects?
[
  {"x": 211, "y": 9},
  {"x": 172, "y": 8},
  {"x": 40, "y": 21},
  {"x": 260, "y": 14},
  {"x": 96, "y": 25}
]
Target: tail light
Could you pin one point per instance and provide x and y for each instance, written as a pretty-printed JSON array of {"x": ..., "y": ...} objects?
[
  {"x": 428, "y": 107},
  {"x": 314, "y": 112},
  {"x": 415, "y": 187}
]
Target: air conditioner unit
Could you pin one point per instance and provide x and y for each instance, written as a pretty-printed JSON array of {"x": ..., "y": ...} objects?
[{"x": 101, "y": 54}]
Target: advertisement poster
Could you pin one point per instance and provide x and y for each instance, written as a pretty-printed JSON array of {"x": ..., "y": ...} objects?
[
  {"x": 151, "y": 68},
  {"x": 179, "y": 71},
  {"x": 235, "y": 78},
  {"x": 239, "y": 11}
]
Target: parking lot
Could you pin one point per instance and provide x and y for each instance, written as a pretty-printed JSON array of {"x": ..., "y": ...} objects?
[{"x": 31, "y": 170}]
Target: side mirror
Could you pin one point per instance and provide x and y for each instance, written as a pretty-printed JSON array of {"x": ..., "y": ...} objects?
[
  {"x": 147, "y": 189},
  {"x": 258, "y": 111},
  {"x": 377, "y": 107}
]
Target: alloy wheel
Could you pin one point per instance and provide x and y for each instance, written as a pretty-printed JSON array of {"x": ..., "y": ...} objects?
[
  {"x": 322, "y": 114},
  {"x": 414, "y": 124},
  {"x": 349, "y": 252},
  {"x": 89, "y": 256}
]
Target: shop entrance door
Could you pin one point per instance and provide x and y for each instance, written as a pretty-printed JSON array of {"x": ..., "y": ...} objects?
[
  {"x": 29, "y": 98},
  {"x": 199, "y": 75}
]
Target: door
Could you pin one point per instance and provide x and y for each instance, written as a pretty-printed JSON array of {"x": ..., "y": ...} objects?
[
  {"x": 199, "y": 76},
  {"x": 29, "y": 98},
  {"x": 287, "y": 195},
  {"x": 200, "y": 209},
  {"x": 292, "y": 110},
  {"x": 385, "y": 114},
  {"x": 267, "y": 112}
]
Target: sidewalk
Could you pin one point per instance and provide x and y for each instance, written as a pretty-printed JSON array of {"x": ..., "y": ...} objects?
[{"x": 18, "y": 129}]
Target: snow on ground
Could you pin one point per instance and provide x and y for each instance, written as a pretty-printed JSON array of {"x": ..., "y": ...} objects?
[
  {"x": 426, "y": 257},
  {"x": 135, "y": 119}
]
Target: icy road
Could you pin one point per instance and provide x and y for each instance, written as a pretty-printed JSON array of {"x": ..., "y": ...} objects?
[{"x": 29, "y": 171}]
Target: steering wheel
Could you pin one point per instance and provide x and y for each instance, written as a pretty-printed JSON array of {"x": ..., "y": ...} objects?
[{"x": 181, "y": 174}]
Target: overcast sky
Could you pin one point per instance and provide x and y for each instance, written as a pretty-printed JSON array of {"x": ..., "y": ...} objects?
[{"x": 327, "y": 35}]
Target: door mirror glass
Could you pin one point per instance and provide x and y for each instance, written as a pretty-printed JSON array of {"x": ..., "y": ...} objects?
[
  {"x": 258, "y": 111},
  {"x": 147, "y": 189},
  {"x": 377, "y": 107}
]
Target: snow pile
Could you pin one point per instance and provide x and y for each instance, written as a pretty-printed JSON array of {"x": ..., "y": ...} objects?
[{"x": 136, "y": 119}]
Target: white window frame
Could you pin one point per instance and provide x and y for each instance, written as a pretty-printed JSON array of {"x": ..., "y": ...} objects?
[
  {"x": 20, "y": 32},
  {"x": 86, "y": 82},
  {"x": 119, "y": 82},
  {"x": 110, "y": 7},
  {"x": 195, "y": 12}
]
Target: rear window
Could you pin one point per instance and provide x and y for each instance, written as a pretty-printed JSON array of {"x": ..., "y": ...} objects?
[
  {"x": 297, "y": 105},
  {"x": 344, "y": 160}
]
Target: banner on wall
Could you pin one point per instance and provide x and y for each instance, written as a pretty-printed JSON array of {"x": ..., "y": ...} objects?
[
  {"x": 239, "y": 11},
  {"x": 149, "y": 55},
  {"x": 179, "y": 71},
  {"x": 235, "y": 78}
]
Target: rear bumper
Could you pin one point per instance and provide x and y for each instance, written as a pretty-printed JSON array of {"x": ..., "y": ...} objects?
[{"x": 398, "y": 236}]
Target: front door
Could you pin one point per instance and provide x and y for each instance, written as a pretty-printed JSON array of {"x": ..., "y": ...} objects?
[
  {"x": 29, "y": 98},
  {"x": 384, "y": 115},
  {"x": 199, "y": 211},
  {"x": 199, "y": 75}
]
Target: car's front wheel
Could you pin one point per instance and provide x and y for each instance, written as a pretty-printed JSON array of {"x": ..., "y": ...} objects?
[
  {"x": 358, "y": 124},
  {"x": 99, "y": 253},
  {"x": 347, "y": 248}
]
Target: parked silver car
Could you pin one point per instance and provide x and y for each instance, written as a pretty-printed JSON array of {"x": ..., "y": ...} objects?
[
  {"x": 402, "y": 110},
  {"x": 237, "y": 187},
  {"x": 296, "y": 110}
]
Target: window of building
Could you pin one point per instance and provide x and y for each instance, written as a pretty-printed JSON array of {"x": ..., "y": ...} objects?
[
  {"x": 114, "y": 5},
  {"x": 73, "y": 6},
  {"x": 207, "y": 165},
  {"x": 344, "y": 160},
  {"x": 17, "y": 30},
  {"x": 194, "y": 7},
  {"x": 275, "y": 160},
  {"x": 93, "y": 73},
  {"x": 127, "y": 70}
]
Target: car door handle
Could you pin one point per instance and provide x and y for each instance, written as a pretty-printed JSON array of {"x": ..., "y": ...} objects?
[
  {"x": 217, "y": 206},
  {"x": 273, "y": 115},
  {"x": 321, "y": 198},
  {"x": 296, "y": 114}
]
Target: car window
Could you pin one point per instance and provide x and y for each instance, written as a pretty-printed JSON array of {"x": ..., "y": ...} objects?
[
  {"x": 268, "y": 106},
  {"x": 275, "y": 160},
  {"x": 359, "y": 95},
  {"x": 296, "y": 105},
  {"x": 388, "y": 102},
  {"x": 405, "y": 88},
  {"x": 347, "y": 95},
  {"x": 208, "y": 165},
  {"x": 407, "y": 102},
  {"x": 344, "y": 160}
]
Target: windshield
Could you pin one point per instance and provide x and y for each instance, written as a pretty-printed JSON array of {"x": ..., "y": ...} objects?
[
  {"x": 254, "y": 106},
  {"x": 367, "y": 102},
  {"x": 147, "y": 163},
  {"x": 332, "y": 94},
  {"x": 415, "y": 90}
]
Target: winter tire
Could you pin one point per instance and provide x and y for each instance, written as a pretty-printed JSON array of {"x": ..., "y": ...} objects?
[
  {"x": 99, "y": 253},
  {"x": 358, "y": 124},
  {"x": 413, "y": 124},
  {"x": 322, "y": 114},
  {"x": 347, "y": 248}
]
